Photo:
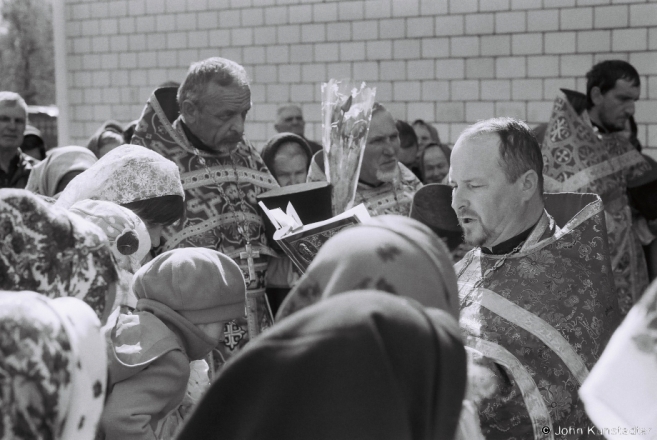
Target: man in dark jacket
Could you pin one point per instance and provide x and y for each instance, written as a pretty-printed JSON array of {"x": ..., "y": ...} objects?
[{"x": 15, "y": 167}]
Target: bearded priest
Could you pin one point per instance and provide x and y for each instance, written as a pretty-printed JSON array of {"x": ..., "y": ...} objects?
[{"x": 536, "y": 293}]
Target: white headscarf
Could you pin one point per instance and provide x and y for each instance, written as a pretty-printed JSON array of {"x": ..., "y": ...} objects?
[
  {"x": 47, "y": 174},
  {"x": 126, "y": 174},
  {"x": 53, "y": 364}
]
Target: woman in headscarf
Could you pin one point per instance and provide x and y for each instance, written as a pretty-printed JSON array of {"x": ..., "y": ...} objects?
[
  {"x": 108, "y": 137},
  {"x": 426, "y": 134},
  {"x": 390, "y": 253},
  {"x": 287, "y": 157},
  {"x": 49, "y": 250},
  {"x": 50, "y": 176},
  {"x": 362, "y": 365},
  {"x": 53, "y": 368},
  {"x": 434, "y": 163},
  {"x": 136, "y": 178},
  {"x": 128, "y": 240}
]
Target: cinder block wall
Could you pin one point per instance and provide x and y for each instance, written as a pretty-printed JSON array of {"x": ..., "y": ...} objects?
[{"x": 449, "y": 62}]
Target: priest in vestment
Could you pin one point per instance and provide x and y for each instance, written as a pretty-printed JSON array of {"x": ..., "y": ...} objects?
[
  {"x": 586, "y": 150},
  {"x": 200, "y": 127},
  {"x": 536, "y": 293},
  {"x": 385, "y": 186}
]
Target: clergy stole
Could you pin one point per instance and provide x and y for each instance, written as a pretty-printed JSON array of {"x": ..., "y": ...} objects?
[
  {"x": 579, "y": 159},
  {"x": 543, "y": 317}
]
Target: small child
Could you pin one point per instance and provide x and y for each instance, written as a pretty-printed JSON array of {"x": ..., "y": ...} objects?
[{"x": 184, "y": 298}]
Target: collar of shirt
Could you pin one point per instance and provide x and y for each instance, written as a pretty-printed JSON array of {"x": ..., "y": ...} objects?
[{"x": 509, "y": 245}]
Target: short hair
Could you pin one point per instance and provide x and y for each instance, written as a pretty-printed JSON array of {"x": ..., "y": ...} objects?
[
  {"x": 407, "y": 136},
  {"x": 519, "y": 149},
  {"x": 605, "y": 74},
  {"x": 282, "y": 108},
  {"x": 13, "y": 99},
  {"x": 163, "y": 210},
  {"x": 432, "y": 130},
  {"x": 218, "y": 70}
]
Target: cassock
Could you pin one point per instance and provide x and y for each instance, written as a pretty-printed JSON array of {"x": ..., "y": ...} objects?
[
  {"x": 393, "y": 197},
  {"x": 220, "y": 194},
  {"x": 540, "y": 316},
  {"x": 578, "y": 158}
]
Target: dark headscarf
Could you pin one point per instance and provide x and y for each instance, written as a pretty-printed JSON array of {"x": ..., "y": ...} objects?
[
  {"x": 362, "y": 365},
  {"x": 49, "y": 250},
  {"x": 270, "y": 150},
  {"x": 94, "y": 141},
  {"x": 389, "y": 253}
]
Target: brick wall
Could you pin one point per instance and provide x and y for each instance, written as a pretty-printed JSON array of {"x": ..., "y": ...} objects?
[{"x": 451, "y": 62}]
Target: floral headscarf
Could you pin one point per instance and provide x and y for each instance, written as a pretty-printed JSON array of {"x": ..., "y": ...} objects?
[
  {"x": 126, "y": 174},
  {"x": 53, "y": 368},
  {"x": 49, "y": 250},
  {"x": 47, "y": 174},
  {"x": 389, "y": 253}
]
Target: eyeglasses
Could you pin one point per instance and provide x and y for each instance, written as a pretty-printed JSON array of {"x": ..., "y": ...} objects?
[{"x": 9, "y": 120}]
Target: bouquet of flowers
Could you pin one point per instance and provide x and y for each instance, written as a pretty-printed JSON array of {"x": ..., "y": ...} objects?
[{"x": 346, "y": 115}]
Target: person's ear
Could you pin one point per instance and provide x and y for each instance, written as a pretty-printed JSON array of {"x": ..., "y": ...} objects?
[
  {"x": 189, "y": 111},
  {"x": 529, "y": 184},
  {"x": 596, "y": 95}
]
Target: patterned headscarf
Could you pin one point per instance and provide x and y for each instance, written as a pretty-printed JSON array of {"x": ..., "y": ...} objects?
[
  {"x": 47, "y": 174},
  {"x": 389, "y": 253},
  {"x": 53, "y": 368},
  {"x": 49, "y": 250},
  {"x": 126, "y": 174}
]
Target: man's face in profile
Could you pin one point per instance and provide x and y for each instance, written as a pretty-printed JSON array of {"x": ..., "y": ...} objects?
[
  {"x": 615, "y": 107},
  {"x": 218, "y": 120}
]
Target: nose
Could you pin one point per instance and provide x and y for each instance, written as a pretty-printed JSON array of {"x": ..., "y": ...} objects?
[
  {"x": 458, "y": 201},
  {"x": 391, "y": 147},
  {"x": 237, "y": 124},
  {"x": 630, "y": 109}
]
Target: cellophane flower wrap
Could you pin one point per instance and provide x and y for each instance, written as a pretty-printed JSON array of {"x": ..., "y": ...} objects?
[{"x": 346, "y": 115}]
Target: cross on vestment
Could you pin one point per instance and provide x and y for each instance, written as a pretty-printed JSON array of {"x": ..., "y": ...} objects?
[
  {"x": 248, "y": 256},
  {"x": 233, "y": 334}
]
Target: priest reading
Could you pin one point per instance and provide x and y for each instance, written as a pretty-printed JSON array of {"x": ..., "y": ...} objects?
[
  {"x": 536, "y": 293},
  {"x": 201, "y": 129}
]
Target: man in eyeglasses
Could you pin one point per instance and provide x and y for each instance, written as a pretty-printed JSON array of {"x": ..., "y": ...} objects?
[
  {"x": 290, "y": 119},
  {"x": 15, "y": 166}
]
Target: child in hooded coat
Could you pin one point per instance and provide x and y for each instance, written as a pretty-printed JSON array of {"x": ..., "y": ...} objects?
[{"x": 184, "y": 298}]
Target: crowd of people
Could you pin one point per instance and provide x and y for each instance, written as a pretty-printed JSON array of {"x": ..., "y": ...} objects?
[{"x": 496, "y": 292}]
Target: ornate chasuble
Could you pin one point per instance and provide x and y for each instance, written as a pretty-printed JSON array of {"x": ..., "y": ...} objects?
[
  {"x": 579, "y": 159},
  {"x": 543, "y": 318},
  {"x": 209, "y": 220},
  {"x": 389, "y": 198}
]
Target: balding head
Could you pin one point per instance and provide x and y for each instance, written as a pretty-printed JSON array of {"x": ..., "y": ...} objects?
[{"x": 289, "y": 118}]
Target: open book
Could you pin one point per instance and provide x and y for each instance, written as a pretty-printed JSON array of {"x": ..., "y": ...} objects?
[{"x": 302, "y": 242}]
